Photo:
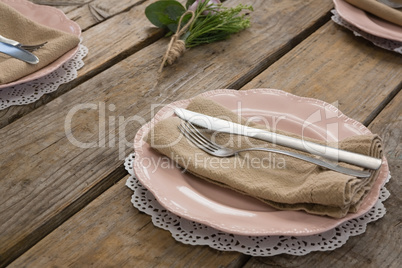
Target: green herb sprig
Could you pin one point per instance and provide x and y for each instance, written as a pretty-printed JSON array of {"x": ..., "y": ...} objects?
[{"x": 211, "y": 23}]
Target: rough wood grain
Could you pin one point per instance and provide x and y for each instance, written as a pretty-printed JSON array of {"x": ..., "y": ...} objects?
[
  {"x": 379, "y": 246},
  {"x": 94, "y": 12},
  {"x": 337, "y": 67},
  {"x": 327, "y": 72},
  {"x": 68, "y": 5},
  {"x": 58, "y": 178},
  {"x": 106, "y": 46},
  {"x": 45, "y": 253},
  {"x": 134, "y": 239}
]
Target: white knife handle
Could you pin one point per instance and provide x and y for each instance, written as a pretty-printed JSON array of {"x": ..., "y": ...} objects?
[
  {"x": 321, "y": 150},
  {"x": 331, "y": 153},
  {"x": 8, "y": 41}
]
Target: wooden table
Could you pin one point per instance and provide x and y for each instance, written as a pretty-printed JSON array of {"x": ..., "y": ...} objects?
[{"x": 62, "y": 205}]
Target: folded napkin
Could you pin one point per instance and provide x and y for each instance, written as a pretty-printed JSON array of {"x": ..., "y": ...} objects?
[
  {"x": 379, "y": 9},
  {"x": 281, "y": 181},
  {"x": 392, "y": 3},
  {"x": 14, "y": 25}
]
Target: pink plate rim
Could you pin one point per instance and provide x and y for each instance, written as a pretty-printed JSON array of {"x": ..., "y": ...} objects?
[
  {"x": 65, "y": 24},
  {"x": 264, "y": 223},
  {"x": 367, "y": 22}
]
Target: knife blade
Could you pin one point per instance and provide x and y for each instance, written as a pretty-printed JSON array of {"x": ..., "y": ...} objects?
[
  {"x": 18, "y": 53},
  {"x": 331, "y": 153}
]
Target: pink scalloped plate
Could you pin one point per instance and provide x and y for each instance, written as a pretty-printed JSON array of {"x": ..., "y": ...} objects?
[
  {"x": 223, "y": 209},
  {"x": 51, "y": 17},
  {"x": 367, "y": 22}
]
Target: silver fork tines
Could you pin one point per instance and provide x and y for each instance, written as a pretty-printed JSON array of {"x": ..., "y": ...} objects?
[
  {"x": 31, "y": 47},
  {"x": 210, "y": 147},
  {"x": 18, "y": 44}
]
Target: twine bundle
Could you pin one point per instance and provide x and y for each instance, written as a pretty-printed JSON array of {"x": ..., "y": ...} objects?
[{"x": 176, "y": 46}]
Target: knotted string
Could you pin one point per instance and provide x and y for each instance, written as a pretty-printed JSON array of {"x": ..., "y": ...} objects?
[{"x": 176, "y": 46}]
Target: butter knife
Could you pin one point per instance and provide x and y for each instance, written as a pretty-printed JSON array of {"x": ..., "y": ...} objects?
[
  {"x": 18, "y": 53},
  {"x": 331, "y": 153}
]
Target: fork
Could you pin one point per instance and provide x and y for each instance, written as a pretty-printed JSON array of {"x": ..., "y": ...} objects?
[
  {"x": 208, "y": 146},
  {"x": 18, "y": 44}
]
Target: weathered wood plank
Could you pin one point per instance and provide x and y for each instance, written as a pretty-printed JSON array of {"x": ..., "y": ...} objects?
[
  {"x": 121, "y": 236},
  {"x": 67, "y": 5},
  {"x": 106, "y": 46},
  {"x": 58, "y": 177},
  {"x": 339, "y": 69},
  {"x": 141, "y": 108},
  {"x": 87, "y": 13},
  {"x": 379, "y": 246},
  {"x": 328, "y": 57},
  {"x": 124, "y": 242},
  {"x": 94, "y": 12}
]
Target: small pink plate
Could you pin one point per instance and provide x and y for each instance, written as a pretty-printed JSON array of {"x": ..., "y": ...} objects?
[
  {"x": 367, "y": 22},
  {"x": 223, "y": 209},
  {"x": 51, "y": 17}
]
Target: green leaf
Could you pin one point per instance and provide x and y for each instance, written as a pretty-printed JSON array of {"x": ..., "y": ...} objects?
[
  {"x": 164, "y": 19},
  {"x": 164, "y": 12},
  {"x": 175, "y": 12},
  {"x": 173, "y": 26},
  {"x": 189, "y": 3}
]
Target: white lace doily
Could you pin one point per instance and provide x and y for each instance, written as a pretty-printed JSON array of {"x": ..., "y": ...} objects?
[
  {"x": 193, "y": 233},
  {"x": 378, "y": 41},
  {"x": 31, "y": 91}
]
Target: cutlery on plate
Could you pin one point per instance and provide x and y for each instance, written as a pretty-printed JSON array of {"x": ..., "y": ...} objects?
[
  {"x": 18, "y": 53},
  {"x": 331, "y": 153},
  {"x": 18, "y": 44},
  {"x": 208, "y": 146}
]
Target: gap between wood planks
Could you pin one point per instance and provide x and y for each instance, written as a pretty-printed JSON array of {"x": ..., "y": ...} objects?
[
  {"x": 81, "y": 79},
  {"x": 120, "y": 172},
  {"x": 281, "y": 52},
  {"x": 382, "y": 105},
  {"x": 59, "y": 218},
  {"x": 160, "y": 34},
  {"x": 101, "y": 15}
]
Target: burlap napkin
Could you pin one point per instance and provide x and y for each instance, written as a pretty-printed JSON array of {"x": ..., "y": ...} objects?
[
  {"x": 379, "y": 9},
  {"x": 15, "y": 26},
  {"x": 281, "y": 181}
]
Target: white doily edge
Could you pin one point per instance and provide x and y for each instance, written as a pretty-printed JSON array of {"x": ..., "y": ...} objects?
[
  {"x": 192, "y": 233},
  {"x": 377, "y": 41},
  {"x": 29, "y": 92}
]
